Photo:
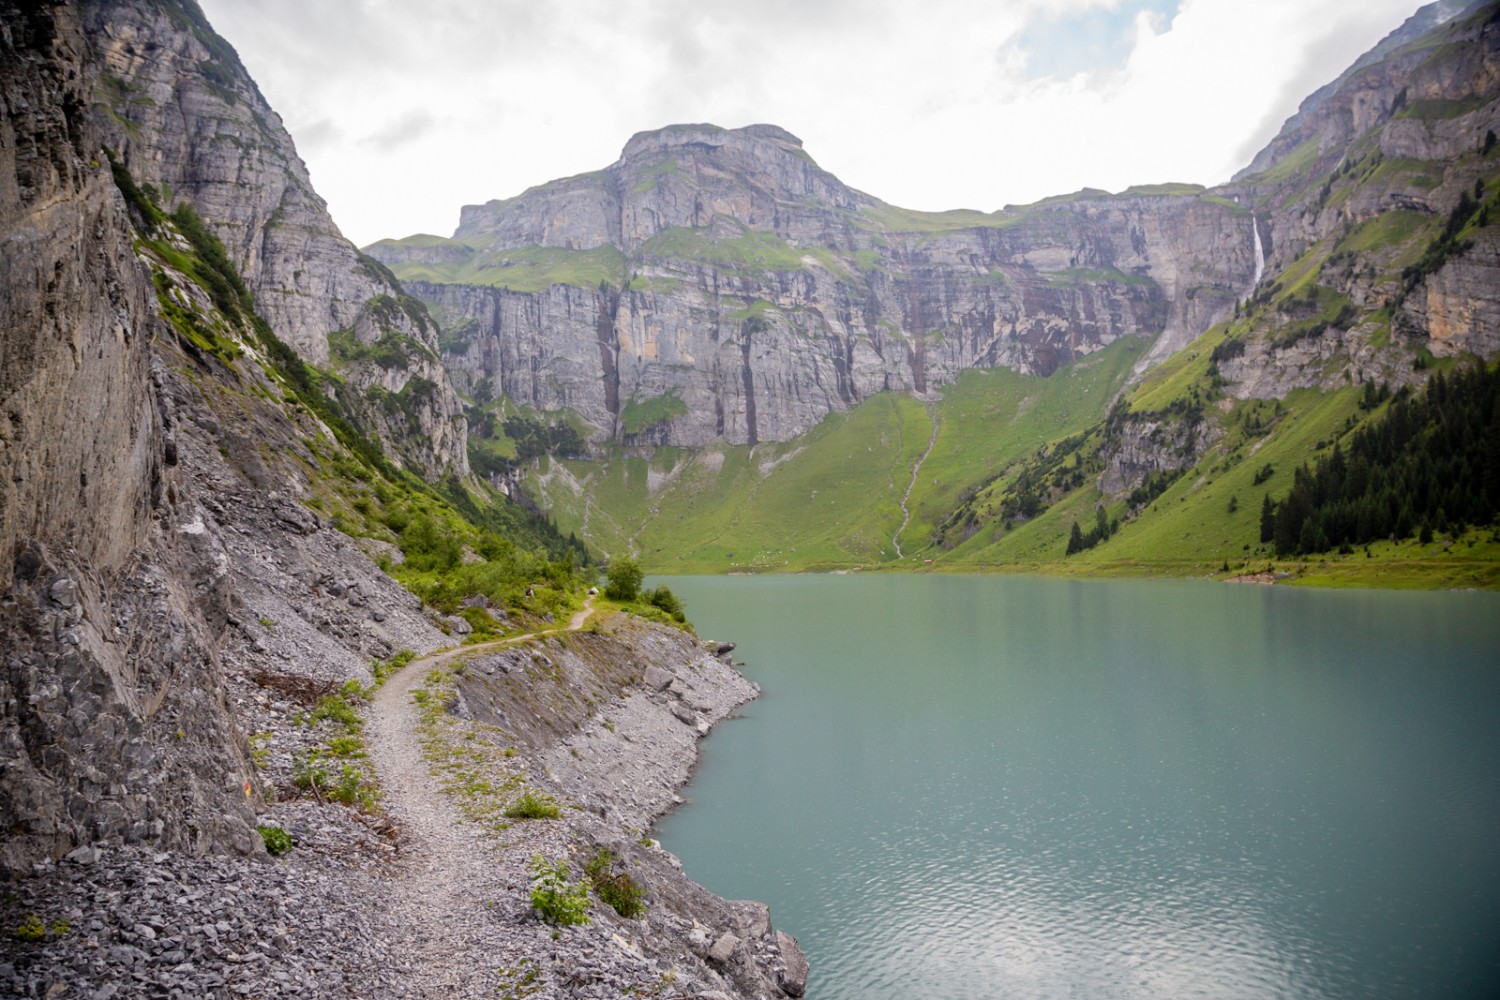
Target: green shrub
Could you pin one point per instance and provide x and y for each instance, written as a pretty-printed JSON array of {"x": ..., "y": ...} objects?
[
  {"x": 31, "y": 929},
  {"x": 260, "y": 752},
  {"x": 381, "y": 669},
  {"x": 623, "y": 894},
  {"x": 533, "y": 805},
  {"x": 553, "y": 897},
  {"x": 663, "y": 598},
  {"x": 277, "y": 840},
  {"x": 347, "y": 746},
  {"x": 623, "y": 580},
  {"x": 480, "y": 620}
]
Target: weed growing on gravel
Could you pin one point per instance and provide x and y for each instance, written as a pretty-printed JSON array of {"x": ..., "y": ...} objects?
[
  {"x": 349, "y": 784},
  {"x": 521, "y": 981},
  {"x": 33, "y": 929},
  {"x": 260, "y": 752},
  {"x": 339, "y": 708},
  {"x": 533, "y": 805},
  {"x": 277, "y": 840},
  {"x": 348, "y": 747},
  {"x": 623, "y": 894},
  {"x": 382, "y": 669},
  {"x": 554, "y": 898}
]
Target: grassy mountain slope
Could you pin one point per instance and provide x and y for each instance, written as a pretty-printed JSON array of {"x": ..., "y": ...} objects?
[{"x": 832, "y": 498}]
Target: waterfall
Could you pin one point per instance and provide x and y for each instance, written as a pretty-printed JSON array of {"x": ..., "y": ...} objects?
[{"x": 1260, "y": 254}]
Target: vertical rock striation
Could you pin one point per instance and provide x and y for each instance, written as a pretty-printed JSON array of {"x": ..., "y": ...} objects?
[{"x": 734, "y": 275}]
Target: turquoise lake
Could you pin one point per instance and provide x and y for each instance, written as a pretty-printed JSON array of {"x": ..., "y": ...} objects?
[{"x": 980, "y": 787}]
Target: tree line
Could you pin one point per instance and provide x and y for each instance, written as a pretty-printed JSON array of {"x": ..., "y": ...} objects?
[{"x": 1431, "y": 463}]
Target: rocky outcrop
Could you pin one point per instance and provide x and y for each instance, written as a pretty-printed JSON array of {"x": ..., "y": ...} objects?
[
  {"x": 1146, "y": 445},
  {"x": 725, "y": 270},
  {"x": 179, "y": 110},
  {"x": 158, "y": 565},
  {"x": 627, "y": 761},
  {"x": 1363, "y": 96}
]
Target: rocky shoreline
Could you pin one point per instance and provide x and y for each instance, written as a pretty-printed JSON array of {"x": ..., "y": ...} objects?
[{"x": 373, "y": 906}]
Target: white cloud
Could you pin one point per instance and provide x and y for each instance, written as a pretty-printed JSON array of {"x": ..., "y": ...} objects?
[{"x": 417, "y": 109}]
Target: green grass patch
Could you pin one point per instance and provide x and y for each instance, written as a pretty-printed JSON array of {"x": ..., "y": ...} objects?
[
  {"x": 522, "y": 269},
  {"x": 884, "y": 218},
  {"x": 1293, "y": 164},
  {"x": 1395, "y": 228},
  {"x": 1422, "y": 174},
  {"x": 748, "y": 248},
  {"x": 1074, "y": 277},
  {"x": 832, "y": 498},
  {"x": 533, "y": 805},
  {"x": 639, "y": 415},
  {"x": 1162, "y": 190},
  {"x": 1441, "y": 109},
  {"x": 652, "y": 175}
]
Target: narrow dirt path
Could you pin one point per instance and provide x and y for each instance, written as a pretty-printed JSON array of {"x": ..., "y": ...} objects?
[
  {"x": 915, "y": 472},
  {"x": 436, "y": 898}
]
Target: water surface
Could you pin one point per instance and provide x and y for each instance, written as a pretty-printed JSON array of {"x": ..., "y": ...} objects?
[{"x": 976, "y": 787}]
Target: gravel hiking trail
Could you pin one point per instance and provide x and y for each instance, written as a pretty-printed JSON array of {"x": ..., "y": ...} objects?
[{"x": 440, "y": 896}]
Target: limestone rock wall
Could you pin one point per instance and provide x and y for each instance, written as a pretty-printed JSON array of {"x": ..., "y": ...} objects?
[
  {"x": 112, "y": 714},
  {"x": 765, "y": 294}
]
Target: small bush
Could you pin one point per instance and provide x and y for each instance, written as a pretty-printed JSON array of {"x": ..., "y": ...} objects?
[
  {"x": 311, "y": 772},
  {"x": 31, "y": 929},
  {"x": 353, "y": 790},
  {"x": 663, "y": 598},
  {"x": 554, "y": 898},
  {"x": 260, "y": 752},
  {"x": 347, "y": 746},
  {"x": 623, "y": 580},
  {"x": 533, "y": 805},
  {"x": 277, "y": 840},
  {"x": 623, "y": 894}
]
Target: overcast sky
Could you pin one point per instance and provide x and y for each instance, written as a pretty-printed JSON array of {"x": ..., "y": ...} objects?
[{"x": 406, "y": 110}]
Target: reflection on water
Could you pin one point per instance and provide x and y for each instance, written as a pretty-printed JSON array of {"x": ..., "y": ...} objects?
[{"x": 981, "y": 787}]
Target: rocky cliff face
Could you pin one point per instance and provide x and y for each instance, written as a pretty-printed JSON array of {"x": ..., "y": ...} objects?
[
  {"x": 1374, "y": 206},
  {"x": 160, "y": 571},
  {"x": 717, "y": 284},
  {"x": 112, "y": 714},
  {"x": 185, "y": 118},
  {"x": 1356, "y": 192}
]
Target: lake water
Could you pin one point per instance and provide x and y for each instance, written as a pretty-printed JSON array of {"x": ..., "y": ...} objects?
[{"x": 979, "y": 787}]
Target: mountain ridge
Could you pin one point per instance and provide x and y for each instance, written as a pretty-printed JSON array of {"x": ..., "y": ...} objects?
[{"x": 724, "y": 269}]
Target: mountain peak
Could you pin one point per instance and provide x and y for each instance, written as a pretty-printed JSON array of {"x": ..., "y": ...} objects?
[{"x": 705, "y": 134}]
